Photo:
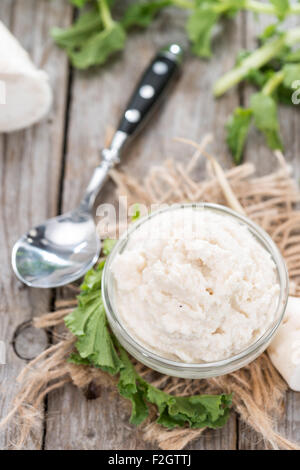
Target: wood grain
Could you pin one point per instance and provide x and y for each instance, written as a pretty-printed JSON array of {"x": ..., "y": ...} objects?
[{"x": 30, "y": 166}]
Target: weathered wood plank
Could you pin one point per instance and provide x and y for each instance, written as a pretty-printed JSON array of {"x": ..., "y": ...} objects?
[
  {"x": 97, "y": 100},
  {"x": 30, "y": 165}
]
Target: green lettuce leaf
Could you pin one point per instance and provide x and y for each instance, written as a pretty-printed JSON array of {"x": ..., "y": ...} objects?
[
  {"x": 83, "y": 29},
  {"x": 89, "y": 324},
  {"x": 282, "y": 8},
  {"x": 132, "y": 387},
  {"x": 137, "y": 213},
  {"x": 108, "y": 245},
  {"x": 285, "y": 90},
  {"x": 142, "y": 13}
]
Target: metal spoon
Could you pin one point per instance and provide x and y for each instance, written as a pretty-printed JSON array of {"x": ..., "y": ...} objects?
[{"x": 64, "y": 248}]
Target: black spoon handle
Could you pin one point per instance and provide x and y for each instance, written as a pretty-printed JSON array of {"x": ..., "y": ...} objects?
[{"x": 150, "y": 88}]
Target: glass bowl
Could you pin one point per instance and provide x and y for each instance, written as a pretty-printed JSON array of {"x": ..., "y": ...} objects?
[{"x": 205, "y": 369}]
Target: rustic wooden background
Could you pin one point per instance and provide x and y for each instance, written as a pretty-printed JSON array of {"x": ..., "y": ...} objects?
[{"x": 44, "y": 169}]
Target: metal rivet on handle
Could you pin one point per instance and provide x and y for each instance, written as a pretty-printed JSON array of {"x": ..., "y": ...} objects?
[
  {"x": 132, "y": 115},
  {"x": 160, "y": 68},
  {"x": 146, "y": 91},
  {"x": 175, "y": 49}
]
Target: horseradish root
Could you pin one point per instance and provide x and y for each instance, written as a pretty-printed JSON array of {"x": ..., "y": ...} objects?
[
  {"x": 26, "y": 95},
  {"x": 284, "y": 351}
]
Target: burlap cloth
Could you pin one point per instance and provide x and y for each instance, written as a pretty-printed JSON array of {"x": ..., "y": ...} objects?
[{"x": 259, "y": 391}]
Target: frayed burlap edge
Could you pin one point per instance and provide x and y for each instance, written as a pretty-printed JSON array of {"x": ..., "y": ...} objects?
[{"x": 258, "y": 389}]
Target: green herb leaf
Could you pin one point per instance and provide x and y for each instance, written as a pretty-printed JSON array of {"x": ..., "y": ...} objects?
[
  {"x": 75, "y": 358},
  {"x": 108, "y": 245},
  {"x": 259, "y": 77},
  {"x": 92, "y": 279},
  {"x": 95, "y": 35},
  {"x": 88, "y": 322},
  {"x": 142, "y": 14},
  {"x": 79, "y": 3},
  {"x": 265, "y": 118},
  {"x": 293, "y": 56},
  {"x": 97, "y": 346},
  {"x": 285, "y": 90},
  {"x": 237, "y": 130},
  {"x": 97, "y": 49},
  {"x": 199, "y": 28},
  {"x": 137, "y": 212},
  {"x": 74, "y": 37},
  {"x": 198, "y": 411}
]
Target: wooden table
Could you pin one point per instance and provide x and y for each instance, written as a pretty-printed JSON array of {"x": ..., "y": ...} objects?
[{"x": 44, "y": 169}]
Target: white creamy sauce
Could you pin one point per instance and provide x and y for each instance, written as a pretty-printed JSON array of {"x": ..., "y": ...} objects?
[{"x": 193, "y": 286}]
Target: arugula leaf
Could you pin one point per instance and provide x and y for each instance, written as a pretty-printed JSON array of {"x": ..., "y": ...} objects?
[
  {"x": 142, "y": 14},
  {"x": 93, "y": 37},
  {"x": 97, "y": 49},
  {"x": 265, "y": 118},
  {"x": 75, "y": 358},
  {"x": 291, "y": 73},
  {"x": 199, "y": 28},
  {"x": 256, "y": 60},
  {"x": 237, "y": 130},
  {"x": 96, "y": 346},
  {"x": 132, "y": 387},
  {"x": 92, "y": 279},
  {"x": 137, "y": 213},
  {"x": 231, "y": 7},
  {"x": 94, "y": 341},
  {"x": 268, "y": 32},
  {"x": 293, "y": 56},
  {"x": 74, "y": 37},
  {"x": 79, "y": 3}
]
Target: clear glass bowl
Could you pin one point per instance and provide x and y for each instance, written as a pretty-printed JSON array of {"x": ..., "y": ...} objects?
[{"x": 205, "y": 369}]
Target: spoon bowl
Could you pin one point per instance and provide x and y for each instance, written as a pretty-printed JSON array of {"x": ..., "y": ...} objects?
[{"x": 57, "y": 252}]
